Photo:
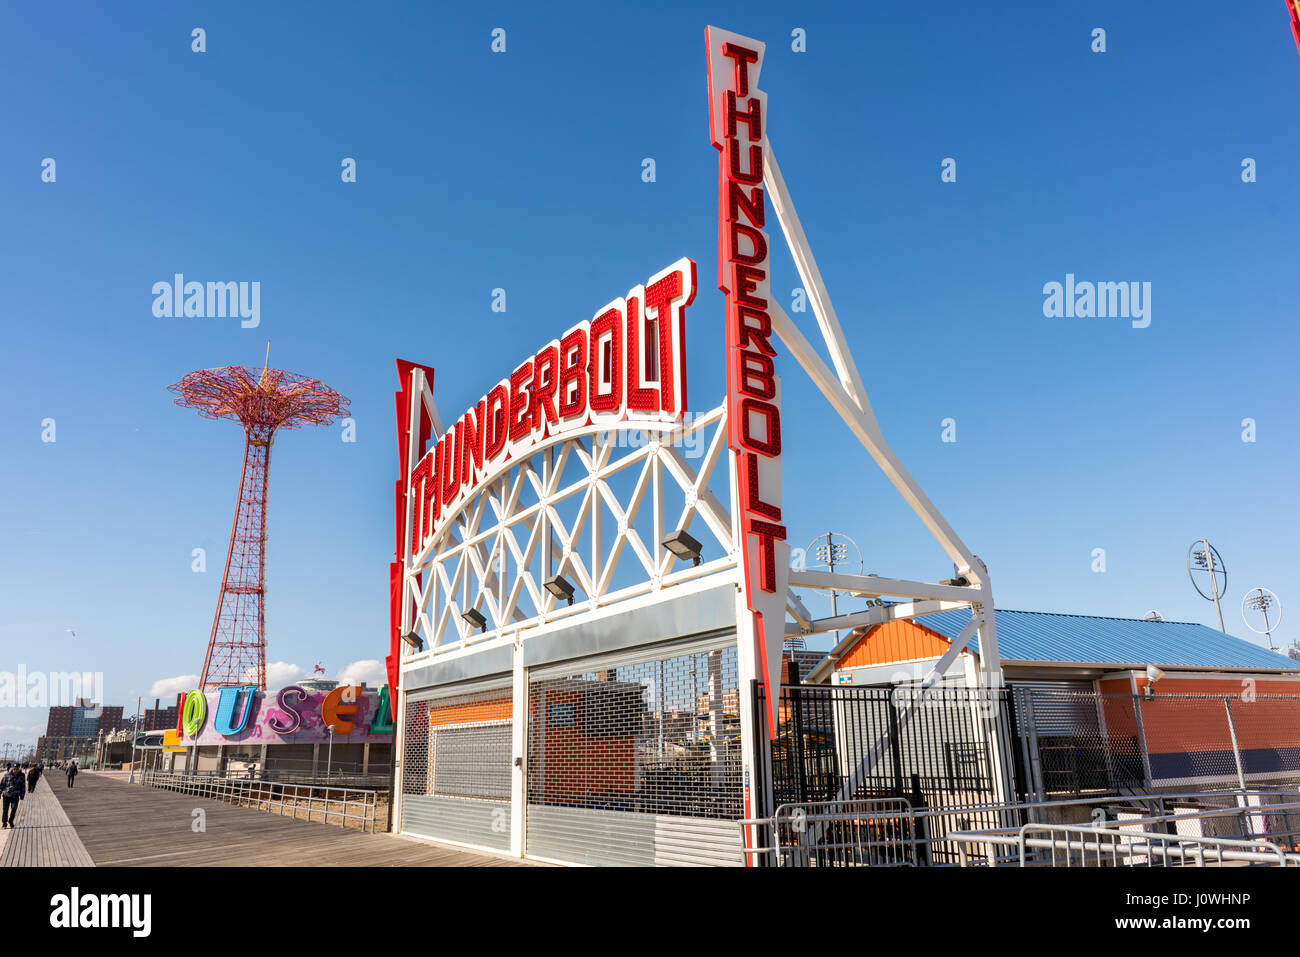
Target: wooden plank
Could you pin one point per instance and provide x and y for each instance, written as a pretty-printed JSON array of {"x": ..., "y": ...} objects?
[
  {"x": 44, "y": 836},
  {"x": 125, "y": 825}
]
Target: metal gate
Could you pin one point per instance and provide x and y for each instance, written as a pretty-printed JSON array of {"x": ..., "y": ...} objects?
[
  {"x": 635, "y": 759},
  {"x": 945, "y": 751},
  {"x": 456, "y": 764}
]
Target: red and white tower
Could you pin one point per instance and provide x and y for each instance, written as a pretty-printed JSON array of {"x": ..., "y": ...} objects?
[{"x": 264, "y": 401}]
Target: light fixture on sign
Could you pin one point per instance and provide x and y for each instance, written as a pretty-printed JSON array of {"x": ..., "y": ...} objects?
[
  {"x": 559, "y": 587},
  {"x": 415, "y": 642},
  {"x": 683, "y": 545},
  {"x": 474, "y": 618}
]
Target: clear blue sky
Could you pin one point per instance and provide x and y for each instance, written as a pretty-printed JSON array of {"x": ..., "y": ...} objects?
[{"x": 523, "y": 171}]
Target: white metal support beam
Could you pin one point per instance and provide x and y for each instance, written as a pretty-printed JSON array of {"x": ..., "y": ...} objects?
[
  {"x": 873, "y": 586},
  {"x": 847, "y": 394},
  {"x": 874, "y": 616},
  {"x": 954, "y": 650}
]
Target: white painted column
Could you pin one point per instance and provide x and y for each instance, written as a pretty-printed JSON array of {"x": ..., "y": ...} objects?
[{"x": 519, "y": 754}]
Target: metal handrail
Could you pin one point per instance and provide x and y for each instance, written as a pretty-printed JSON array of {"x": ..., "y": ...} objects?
[
  {"x": 1148, "y": 844},
  {"x": 920, "y": 833},
  {"x": 269, "y": 795},
  {"x": 1138, "y": 848}
]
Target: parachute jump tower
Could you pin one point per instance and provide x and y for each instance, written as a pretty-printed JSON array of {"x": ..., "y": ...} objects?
[{"x": 263, "y": 401}]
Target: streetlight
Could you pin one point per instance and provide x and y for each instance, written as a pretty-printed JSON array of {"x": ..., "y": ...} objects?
[{"x": 135, "y": 736}]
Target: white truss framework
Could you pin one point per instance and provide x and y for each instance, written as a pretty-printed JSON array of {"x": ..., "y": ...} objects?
[{"x": 491, "y": 556}]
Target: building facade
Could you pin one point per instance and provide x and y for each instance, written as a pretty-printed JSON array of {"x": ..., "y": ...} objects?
[{"x": 1105, "y": 703}]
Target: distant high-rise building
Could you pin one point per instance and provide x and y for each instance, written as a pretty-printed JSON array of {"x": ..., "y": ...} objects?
[
  {"x": 158, "y": 718},
  {"x": 82, "y": 720}
]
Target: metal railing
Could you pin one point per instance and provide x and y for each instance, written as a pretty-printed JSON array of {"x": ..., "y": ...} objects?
[
  {"x": 326, "y": 804},
  {"x": 378, "y": 778},
  {"x": 1072, "y": 845},
  {"x": 891, "y": 832},
  {"x": 875, "y": 832}
]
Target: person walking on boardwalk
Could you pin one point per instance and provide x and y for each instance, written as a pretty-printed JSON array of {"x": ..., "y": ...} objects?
[
  {"x": 33, "y": 775},
  {"x": 12, "y": 790},
  {"x": 72, "y": 772}
]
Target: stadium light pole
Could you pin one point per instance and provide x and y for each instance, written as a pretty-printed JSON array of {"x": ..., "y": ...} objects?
[
  {"x": 829, "y": 553},
  {"x": 1202, "y": 557}
]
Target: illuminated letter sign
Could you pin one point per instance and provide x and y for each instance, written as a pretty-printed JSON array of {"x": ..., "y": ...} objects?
[
  {"x": 289, "y": 721},
  {"x": 196, "y": 710},
  {"x": 223, "y": 722},
  {"x": 383, "y": 721},
  {"x": 737, "y": 117},
  {"x": 339, "y": 706},
  {"x": 625, "y": 365}
]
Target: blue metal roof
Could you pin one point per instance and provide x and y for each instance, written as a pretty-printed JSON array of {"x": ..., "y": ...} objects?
[{"x": 1043, "y": 636}]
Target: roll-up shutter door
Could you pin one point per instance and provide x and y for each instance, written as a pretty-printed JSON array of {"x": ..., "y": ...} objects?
[
  {"x": 1061, "y": 708},
  {"x": 635, "y": 758},
  {"x": 456, "y": 764}
]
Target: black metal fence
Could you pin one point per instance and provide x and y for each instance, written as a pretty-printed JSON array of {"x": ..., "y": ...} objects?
[
  {"x": 939, "y": 748},
  {"x": 946, "y": 752},
  {"x": 966, "y": 759}
]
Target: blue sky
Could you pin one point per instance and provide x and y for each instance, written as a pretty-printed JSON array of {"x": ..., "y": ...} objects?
[{"x": 522, "y": 170}]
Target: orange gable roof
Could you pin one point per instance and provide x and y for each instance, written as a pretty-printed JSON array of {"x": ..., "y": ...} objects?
[{"x": 902, "y": 640}]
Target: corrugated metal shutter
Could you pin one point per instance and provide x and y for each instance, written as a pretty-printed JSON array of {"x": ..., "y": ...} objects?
[
  {"x": 1060, "y": 707},
  {"x": 628, "y": 839},
  {"x": 634, "y": 758},
  {"x": 456, "y": 764},
  {"x": 480, "y": 823}
]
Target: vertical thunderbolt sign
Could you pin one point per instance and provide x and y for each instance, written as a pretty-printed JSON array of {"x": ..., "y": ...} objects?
[{"x": 737, "y": 115}]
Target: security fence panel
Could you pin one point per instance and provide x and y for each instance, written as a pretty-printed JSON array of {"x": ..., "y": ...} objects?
[
  {"x": 456, "y": 765},
  {"x": 838, "y": 743},
  {"x": 1083, "y": 743},
  {"x": 1221, "y": 740},
  {"x": 944, "y": 751},
  {"x": 1079, "y": 742},
  {"x": 636, "y": 759},
  {"x": 1268, "y": 736}
]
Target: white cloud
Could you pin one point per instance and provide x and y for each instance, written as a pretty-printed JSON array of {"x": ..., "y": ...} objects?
[
  {"x": 170, "y": 687},
  {"x": 281, "y": 673},
  {"x": 369, "y": 672},
  {"x": 37, "y": 729}
]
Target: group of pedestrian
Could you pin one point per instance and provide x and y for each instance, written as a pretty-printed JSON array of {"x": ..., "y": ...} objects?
[{"x": 14, "y": 786}]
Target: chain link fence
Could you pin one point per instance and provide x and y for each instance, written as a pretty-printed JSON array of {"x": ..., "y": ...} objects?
[{"x": 1074, "y": 743}]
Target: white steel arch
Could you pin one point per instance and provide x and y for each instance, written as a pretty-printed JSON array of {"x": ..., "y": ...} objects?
[{"x": 488, "y": 554}]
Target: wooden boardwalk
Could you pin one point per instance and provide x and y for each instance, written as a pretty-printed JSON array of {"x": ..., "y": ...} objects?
[
  {"x": 44, "y": 836},
  {"x": 126, "y": 825}
]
